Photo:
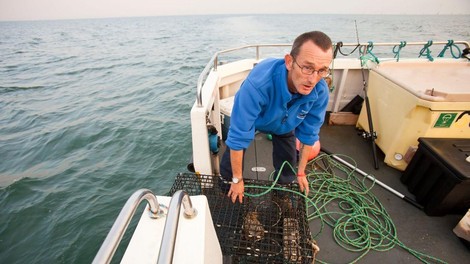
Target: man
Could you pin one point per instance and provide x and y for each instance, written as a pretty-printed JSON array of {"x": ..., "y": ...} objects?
[{"x": 286, "y": 98}]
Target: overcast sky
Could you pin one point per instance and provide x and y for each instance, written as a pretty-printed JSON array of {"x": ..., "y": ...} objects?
[{"x": 71, "y": 9}]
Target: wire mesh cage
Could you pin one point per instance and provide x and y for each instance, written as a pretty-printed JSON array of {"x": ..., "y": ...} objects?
[{"x": 268, "y": 227}]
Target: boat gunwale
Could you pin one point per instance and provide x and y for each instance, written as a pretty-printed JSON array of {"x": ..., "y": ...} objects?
[{"x": 214, "y": 61}]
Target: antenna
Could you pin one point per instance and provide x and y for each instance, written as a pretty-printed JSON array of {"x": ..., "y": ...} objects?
[{"x": 371, "y": 135}]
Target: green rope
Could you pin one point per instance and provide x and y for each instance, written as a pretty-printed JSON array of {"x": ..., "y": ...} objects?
[
  {"x": 343, "y": 201},
  {"x": 426, "y": 51},
  {"x": 397, "y": 48},
  {"x": 368, "y": 56},
  {"x": 450, "y": 44}
]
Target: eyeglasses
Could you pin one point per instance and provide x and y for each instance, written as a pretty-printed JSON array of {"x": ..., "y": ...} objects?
[{"x": 310, "y": 70}]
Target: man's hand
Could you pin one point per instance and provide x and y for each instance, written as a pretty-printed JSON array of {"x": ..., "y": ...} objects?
[
  {"x": 304, "y": 152},
  {"x": 236, "y": 191},
  {"x": 303, "y": 184}
]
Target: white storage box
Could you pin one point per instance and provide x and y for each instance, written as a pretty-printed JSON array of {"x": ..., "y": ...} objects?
[{"x": 418, "y": 98}]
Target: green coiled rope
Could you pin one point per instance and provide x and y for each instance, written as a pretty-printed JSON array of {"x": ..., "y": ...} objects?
[
  {"x": 426, "y": 51},
  {"x": 450, "y": 44},
  {"x": 397, "y": 48},
  {"x": 342, "y": 200},
  {"x": 368, "y": 56}
]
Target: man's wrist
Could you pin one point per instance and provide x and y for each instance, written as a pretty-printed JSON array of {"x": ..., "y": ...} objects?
[
  {"x": 237, "y": 179},
  {"x": 301, "y": 175}
]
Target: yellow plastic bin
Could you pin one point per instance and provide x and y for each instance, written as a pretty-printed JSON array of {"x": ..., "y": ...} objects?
[{"x": 418, "y": 98}]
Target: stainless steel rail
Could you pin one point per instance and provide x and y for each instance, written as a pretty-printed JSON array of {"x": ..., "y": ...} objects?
[
  {"x": 213, "y": 62},
  {"x": 167, "y": 247},
  {"x": 110, "y": 244}
]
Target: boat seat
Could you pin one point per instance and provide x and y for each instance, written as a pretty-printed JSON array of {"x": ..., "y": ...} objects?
[{"x": 226, "y": 105}]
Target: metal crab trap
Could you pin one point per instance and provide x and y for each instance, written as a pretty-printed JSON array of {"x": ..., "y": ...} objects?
[{"x": 270, "y": 226}]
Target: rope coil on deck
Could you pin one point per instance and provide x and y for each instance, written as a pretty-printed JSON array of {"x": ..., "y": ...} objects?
[{"x": 345, "y": 203}]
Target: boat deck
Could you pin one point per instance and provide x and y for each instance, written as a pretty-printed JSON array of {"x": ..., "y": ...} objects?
[{"x": 429, "y": 235}]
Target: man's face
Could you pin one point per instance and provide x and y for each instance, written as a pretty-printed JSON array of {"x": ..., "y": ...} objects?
[{"x": 312, "y": 57}]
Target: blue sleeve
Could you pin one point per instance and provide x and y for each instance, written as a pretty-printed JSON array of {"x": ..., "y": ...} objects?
[
  {"x": 308, "y": 131},
  {"x": 246, "y": 108}
]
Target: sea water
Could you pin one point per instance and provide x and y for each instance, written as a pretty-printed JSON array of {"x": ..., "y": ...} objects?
[{"x": 92, "y": 110}]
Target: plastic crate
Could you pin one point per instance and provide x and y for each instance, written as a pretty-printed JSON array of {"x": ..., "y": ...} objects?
[{"x": 439, "y": 175}]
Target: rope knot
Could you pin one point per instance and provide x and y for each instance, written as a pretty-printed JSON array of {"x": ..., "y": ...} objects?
[
  {"x": 368, "y": 55},
  {"x": 396, "y": 49},
  {"x": 450, "y": 44},
  {"x": 426, "y": 51}
]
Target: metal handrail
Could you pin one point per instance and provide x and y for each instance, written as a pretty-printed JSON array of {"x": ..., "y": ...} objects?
[
  {"x": 167, "y": 247},
  {"x": 110, "y": 244},
  {"x": 213, "y": 62}
]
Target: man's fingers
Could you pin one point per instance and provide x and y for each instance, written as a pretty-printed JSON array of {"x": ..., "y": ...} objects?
[
  {"x": 234, "y": 197},
  {"x": 304, "y": 186}
]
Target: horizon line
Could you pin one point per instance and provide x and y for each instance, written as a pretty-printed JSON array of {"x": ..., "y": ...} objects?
[{"x": 219, "y": 14}]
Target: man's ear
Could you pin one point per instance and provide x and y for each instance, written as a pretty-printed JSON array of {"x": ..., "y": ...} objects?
[{"x": 288, "y": 61}]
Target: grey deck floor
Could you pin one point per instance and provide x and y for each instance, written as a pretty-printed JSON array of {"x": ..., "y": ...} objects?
[{"x": 426, "y": 234}]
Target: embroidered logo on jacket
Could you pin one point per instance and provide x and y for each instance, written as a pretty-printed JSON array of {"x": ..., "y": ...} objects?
[{"x": 302, "y": 114}]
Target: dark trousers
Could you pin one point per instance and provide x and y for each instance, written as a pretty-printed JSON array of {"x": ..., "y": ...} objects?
[{"x": 283, "y": 150}]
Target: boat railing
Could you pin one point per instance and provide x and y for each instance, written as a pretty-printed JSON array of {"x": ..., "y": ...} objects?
[
  {"x": 214, "y": 62},
  {"x": 365, "y": 47},
  {"x": 110, "y": 244},
  {"x": 167, "y": 247}
]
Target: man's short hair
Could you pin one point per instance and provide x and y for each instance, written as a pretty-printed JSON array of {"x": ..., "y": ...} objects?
[{"x": 317, "y": 37}]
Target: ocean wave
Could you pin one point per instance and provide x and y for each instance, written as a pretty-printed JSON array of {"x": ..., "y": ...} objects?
[
  {"x": 93, "y": 110},
  {"x": 9, "y": 89}
]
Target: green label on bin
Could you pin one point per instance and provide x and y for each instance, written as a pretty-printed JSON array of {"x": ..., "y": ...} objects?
[{"x": 445, "y": 120}]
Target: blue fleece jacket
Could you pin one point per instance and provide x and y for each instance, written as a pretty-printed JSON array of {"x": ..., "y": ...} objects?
[{"x": 264, "y": 103}]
